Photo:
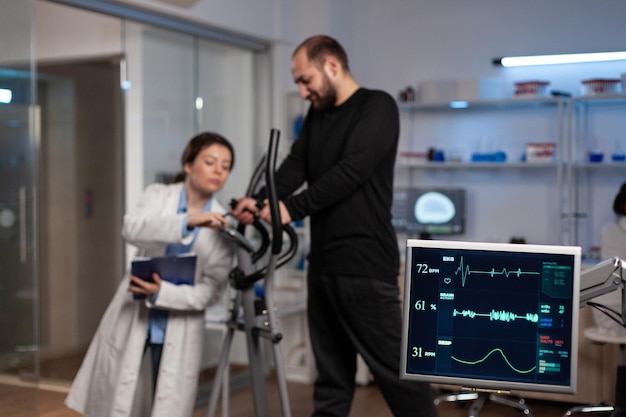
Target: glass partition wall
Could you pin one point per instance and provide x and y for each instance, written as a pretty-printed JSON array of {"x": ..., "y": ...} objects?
[
  {"x": 19, "y": 296},
  {"x": 182, "y": 85},
  {"x": 116, "y": 101}
]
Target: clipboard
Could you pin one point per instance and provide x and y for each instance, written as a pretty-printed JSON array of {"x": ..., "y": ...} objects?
[{"x": 177, "y": 269}]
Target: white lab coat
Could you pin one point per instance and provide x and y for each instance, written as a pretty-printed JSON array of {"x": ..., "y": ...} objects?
[{"x": 109, "y": 382}]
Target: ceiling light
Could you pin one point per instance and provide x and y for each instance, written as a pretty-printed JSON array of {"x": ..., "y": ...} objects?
[{"x": 520, "y": 61}]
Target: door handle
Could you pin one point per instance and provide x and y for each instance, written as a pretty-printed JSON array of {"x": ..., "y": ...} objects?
[{"x": 22, "y": 216}]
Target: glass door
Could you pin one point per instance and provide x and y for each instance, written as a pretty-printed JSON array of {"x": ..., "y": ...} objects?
[{"x": 19, "y": 294}]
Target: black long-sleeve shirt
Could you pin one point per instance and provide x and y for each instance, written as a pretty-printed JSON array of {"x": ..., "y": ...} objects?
[{"x": 346, "y": 156}]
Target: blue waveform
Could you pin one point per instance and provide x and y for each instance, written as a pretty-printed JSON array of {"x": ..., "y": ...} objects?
[
  {"x": 497, "y": 315},
  {"x": 466, "y": 271}
]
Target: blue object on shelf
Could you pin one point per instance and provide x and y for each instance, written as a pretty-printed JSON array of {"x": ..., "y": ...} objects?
[
  {"x": 596, "y": 156},
  {"x": 481, "y": 157},
  {"x": 438, "y": 156},
  {"x": 618, "y": 157},
  {"x": 499, "y": 156}
]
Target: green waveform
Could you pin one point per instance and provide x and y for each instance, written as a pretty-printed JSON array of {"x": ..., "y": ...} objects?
[
  {"x": 519, "y": 371},
  {"x": 497, "y": 315},
  {"x": 466, "y": 271}
]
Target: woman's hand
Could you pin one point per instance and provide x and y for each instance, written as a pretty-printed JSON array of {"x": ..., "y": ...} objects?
[
  {"x": 206, "y": 219},
  {"x": 143, "y": 287}
]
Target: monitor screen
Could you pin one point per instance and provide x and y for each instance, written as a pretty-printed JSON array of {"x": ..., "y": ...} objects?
[
  {"x": 491, "y": 316},
  {"x": 436, "y": 211}
]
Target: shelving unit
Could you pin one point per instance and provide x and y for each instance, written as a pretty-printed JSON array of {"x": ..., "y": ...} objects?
[
  {"x": 503, "y": 104},
  {"x": 596, "y": 123},
  {"x": 575, "y": 197},
  {"x": 503, "y": 197},
  {"x": 477, "y": 165}
]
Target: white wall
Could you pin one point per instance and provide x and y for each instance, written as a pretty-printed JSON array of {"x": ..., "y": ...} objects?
[
  {"x": 250, "y": 17},
  {"x": 396, "y": 43},
  {"x": 57, "y": 26},
  {"x": 16, "y": 47}
]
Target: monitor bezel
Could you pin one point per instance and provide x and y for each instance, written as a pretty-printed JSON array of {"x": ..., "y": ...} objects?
[
  {"x": 457, "y": 195},
  {"x": 479, "y": 384}
]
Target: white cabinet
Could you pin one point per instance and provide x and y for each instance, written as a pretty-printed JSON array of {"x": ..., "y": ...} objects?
[{"x": 503, "y": 199}]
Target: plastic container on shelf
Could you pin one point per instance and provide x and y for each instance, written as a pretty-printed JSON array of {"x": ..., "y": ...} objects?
[
  {"x": 534, "y": 88},
  {"x": 540, "y": 152},
  {"x": 412, "y": 157},
  {"x": 596, "y": 86}
]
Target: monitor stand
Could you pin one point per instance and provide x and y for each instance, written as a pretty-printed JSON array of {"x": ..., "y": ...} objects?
[{"x": 480, "y": 398}]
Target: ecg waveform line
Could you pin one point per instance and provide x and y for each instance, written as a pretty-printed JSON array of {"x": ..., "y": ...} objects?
[
  {"x": 497, "y": 315},
  {"x": 484, "y": 358},
  {"x": 465, "y": 271}
]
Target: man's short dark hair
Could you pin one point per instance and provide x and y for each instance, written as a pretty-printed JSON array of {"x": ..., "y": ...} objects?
[{"x": 319, "y": 47}]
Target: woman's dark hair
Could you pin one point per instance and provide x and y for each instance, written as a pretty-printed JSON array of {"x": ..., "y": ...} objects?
[
  {"x": 619, "y": 204},
  {"x": 197, "y": 144}
]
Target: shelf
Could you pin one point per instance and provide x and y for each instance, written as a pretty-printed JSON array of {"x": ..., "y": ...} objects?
[
  {"x": 514, "y": 122},
  {"x": 477, "y": 165},
  {"x": 460, "y": 105},
  {"x": 512, "y": 103},
  {"x": 601, "y": 99},
  {"x": 600, "y": 165}
]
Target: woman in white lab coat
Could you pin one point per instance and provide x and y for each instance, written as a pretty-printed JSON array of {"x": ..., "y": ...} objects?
[{"x": 110, "y": 381}]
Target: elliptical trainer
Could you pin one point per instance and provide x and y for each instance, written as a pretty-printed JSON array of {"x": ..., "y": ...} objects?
[{"x": 258, "y": 320}]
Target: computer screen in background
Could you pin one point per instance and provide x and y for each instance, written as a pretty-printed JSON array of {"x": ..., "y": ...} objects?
[{"x": 433, "y": 211}]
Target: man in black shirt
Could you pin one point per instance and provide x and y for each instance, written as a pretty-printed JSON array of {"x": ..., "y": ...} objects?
[{"x": 346, "y": 154}]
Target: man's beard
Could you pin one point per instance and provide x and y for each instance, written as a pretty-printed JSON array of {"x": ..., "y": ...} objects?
[{"x": 326, "y": 98}]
